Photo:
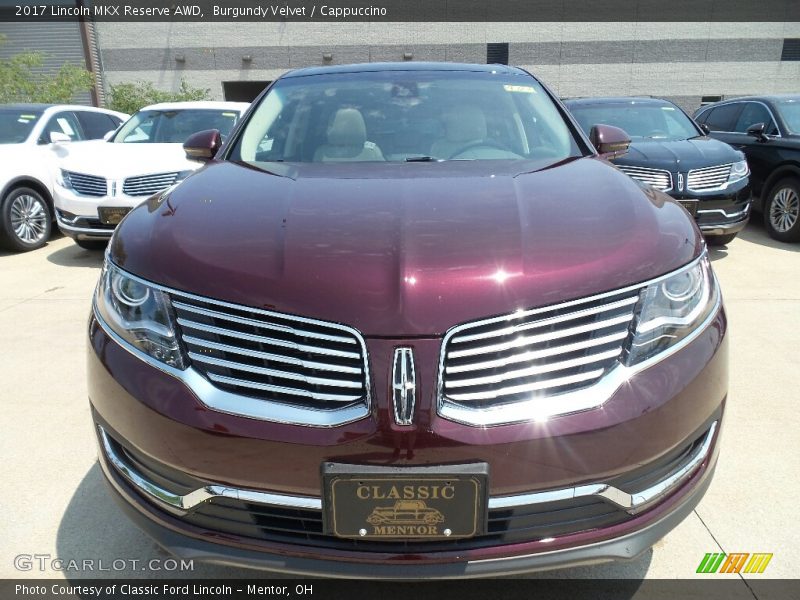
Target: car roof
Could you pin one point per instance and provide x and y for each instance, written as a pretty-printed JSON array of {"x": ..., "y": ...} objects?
[
  {"x": 198, "y": 104},
  {"x": 405, "y": 66},
  {"x": 763, "y": 98},
  {"x": 616, "y": 100}
]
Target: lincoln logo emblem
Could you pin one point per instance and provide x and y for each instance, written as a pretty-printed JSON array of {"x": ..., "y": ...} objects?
[
  {"x": 404, "y": 386},
  {"x": 680, "y": 182}
]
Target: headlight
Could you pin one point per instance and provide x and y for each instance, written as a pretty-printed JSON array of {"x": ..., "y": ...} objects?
[
  {"x": 739, "y": 170},
  {"x": 62, "y": 179},
  {"x": 139, "y": 314},
  {"x": 671, "y": 309}
]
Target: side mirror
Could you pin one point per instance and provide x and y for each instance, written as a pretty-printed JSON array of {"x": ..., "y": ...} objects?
[
  {"x": 757, "y": 131},
  {"x": 57, "y": 137},
  {"x": 706, "y": 129},
  {"x": 609, "y": 141},
  {"x": 203, "y": 145}
]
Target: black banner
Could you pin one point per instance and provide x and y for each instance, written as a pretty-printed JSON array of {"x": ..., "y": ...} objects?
[{"x": 405, "y": 10}]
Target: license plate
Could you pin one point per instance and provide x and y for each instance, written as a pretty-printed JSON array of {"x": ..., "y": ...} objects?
[
  {"x": 391, "y": 503},
  {"x": 112, "y": 215},
  {"x": 690, "y": 205}
]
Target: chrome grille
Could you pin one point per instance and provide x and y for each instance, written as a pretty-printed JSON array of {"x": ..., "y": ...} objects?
[
  {"x": 273, "y": 356},
  {"x": 655, "y": 178},
  {"x": 87, "y": 185},
  {"x": 147, "y": 185},
  {"x": 537, "y": 353},
  {"x": 708, "y": 179}
]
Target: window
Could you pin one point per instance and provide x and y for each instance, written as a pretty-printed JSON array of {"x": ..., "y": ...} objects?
[
  {"x": 639, "y": 120},
  {"x": 174, "y": 126},
  {"x": 497, "y": 54},
  {"x": 95, "y": 124},
  {"x": 755, "y": 112},
  {"x": 791, "y": 49},
  {"x": 63, "y": 122},
  {"x": 400, "y": 116},
  {"x": 17, "y": 125},
  {"x": 709, "y": 100},
  {"x": 722, "y": 118}
]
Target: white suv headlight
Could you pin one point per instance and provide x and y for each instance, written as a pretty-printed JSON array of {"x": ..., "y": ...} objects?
[
  {"x": 139, "y": 314},
  {"x": 672, "y": 308}
]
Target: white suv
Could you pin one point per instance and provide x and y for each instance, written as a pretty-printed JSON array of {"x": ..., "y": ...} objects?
[
  {"x": 32, "y": 139},
  {"x": 99, "y": 183}
]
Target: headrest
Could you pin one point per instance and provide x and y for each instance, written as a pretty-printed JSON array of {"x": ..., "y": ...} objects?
[{"x": 347, "y": 129}]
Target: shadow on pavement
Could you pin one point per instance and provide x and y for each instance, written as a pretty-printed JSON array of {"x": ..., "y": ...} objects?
[
  {"x": 93, "y": 527},
  {"x": 75, "y": 256},
  {"x": 756, "y": 234}
]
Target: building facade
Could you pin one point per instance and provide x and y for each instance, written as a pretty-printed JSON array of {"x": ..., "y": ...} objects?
[{"x": 688, "y": 63}]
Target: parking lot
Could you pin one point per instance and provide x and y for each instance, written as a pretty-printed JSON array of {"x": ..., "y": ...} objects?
[{"x": 55, "y": 502}]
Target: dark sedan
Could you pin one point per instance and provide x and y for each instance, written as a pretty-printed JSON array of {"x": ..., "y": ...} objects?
[
  {"x": 767, "y": 130},
  {"x": 673, "y": 155},
  {"x": 408, "y": 286}
]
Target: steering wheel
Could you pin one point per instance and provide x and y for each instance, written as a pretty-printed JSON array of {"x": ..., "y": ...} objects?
[{"x": 480, "y": 144}]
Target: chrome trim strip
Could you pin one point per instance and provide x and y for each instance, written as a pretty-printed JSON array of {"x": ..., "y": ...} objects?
[
  {"x": 262, "y": 324},
  {"x": 196, "y": 497},
  {"x": 89, "y": 231},
  {"x": 221, "y": 362},
  {"x": 289, "y": 360},
  {"x": 593, "y": 396},
  {"x": 534, "y": 354},
  {"x": 543, "y": 337},
  {"x": 279, "y": 389},
  {"x": 722, "y": 212},
  {"x": 631, "y": 503},
  {"x": 578, "y": 314},
  {"x": 535, "y": 370},
  {"x": 526, "y": 387},
  {"x": 232, "y": 333},
  {"x": 645, "y": 174},
  {"x": 246, "y": 406},
  {"x": 704, "y": 175}
]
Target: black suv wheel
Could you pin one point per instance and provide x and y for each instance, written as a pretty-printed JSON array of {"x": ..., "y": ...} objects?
[{"x": 782, "y": 210}]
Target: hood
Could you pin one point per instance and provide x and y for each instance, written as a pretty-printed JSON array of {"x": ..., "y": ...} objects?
[
  {"x": 405, "y": 249},
  {"x": 117, "y": 161},
  {"x": 679, "y": 155}
]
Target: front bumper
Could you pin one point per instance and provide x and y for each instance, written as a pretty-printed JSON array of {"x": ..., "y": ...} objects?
[
  {"x": 77, "y": 216},
  {"x": 720, "y": 213},
  {"x": 240, "y": 459}
]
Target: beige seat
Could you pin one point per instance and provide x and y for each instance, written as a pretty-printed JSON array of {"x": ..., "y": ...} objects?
[
  {"x": 463, "y": 125},
  {"x": 347, "y": 140}
]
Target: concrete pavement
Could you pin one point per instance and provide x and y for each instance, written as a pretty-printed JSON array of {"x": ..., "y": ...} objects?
[{"x": 55, "y": 503}]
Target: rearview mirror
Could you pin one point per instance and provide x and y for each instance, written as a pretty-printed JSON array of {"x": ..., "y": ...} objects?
[
  {"x": 609, "y": 141},
  {"x": 203, "y": 145},
  {"x": 57, "y": 137},
  {"x": 757, "y": 131}
]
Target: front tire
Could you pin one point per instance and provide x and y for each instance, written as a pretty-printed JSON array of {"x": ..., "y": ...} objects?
[
  {"x": 720, "y": 240},
  {"x": 782, "y": 210},
  {"x": 92, "y": 244},
  {"x": 25, "y": 220}
]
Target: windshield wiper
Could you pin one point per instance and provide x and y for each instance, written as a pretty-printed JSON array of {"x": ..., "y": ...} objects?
[{"x": 423, "y": 159}]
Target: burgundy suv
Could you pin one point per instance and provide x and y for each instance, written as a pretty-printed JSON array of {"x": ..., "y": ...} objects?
[{"x": 408, "y": 322}]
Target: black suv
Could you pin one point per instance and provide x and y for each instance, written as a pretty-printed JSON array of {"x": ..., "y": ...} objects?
[
  {"x": 767, "y": 130},
  {"x": 672, "y": 154}
]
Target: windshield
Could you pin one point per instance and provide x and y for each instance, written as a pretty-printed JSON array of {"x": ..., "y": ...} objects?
[
  {"x": 16, "y": 125},
  {"x": 405, "y": 116},
  {"x": 640, "y": 121},
  {"x": 790, "y": 111},
  {"x": 173, "y": 126}
]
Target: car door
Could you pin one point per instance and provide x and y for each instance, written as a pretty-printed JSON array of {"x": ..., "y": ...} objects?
[{"x": 760, "y": 152}]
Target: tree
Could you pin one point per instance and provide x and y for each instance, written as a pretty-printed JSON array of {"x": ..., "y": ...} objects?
[
  {"x": 19, "y": 82},
  {"x": 130, "y": 97}
]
